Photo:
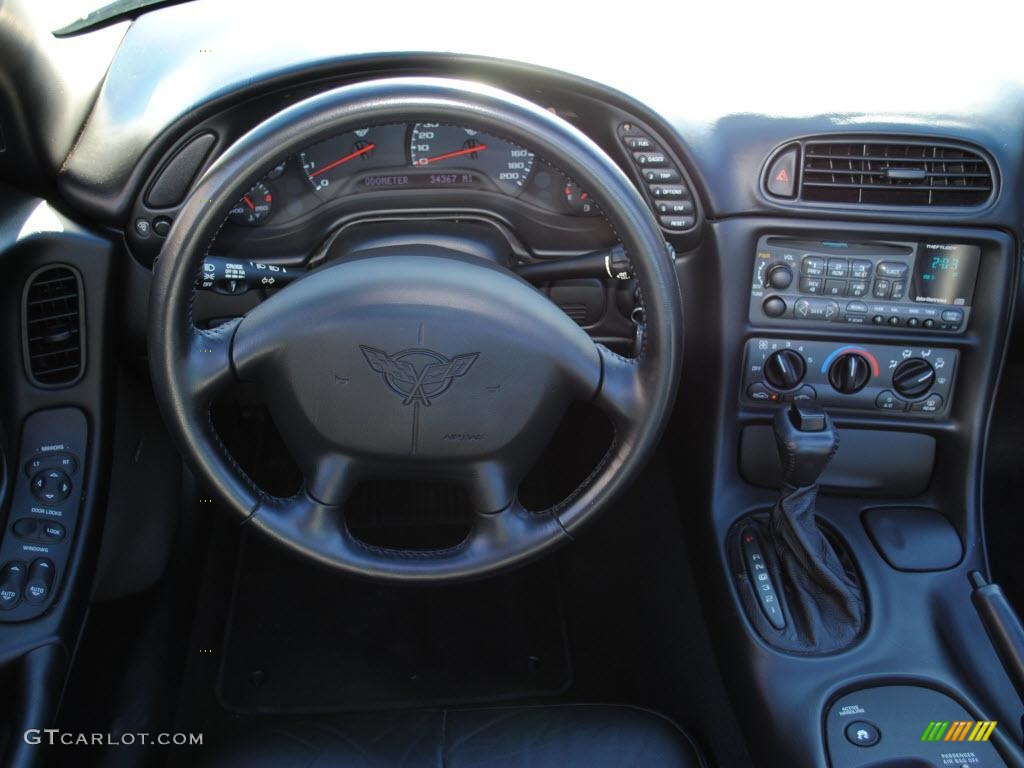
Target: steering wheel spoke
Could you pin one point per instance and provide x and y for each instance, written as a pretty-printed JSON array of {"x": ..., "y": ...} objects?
[
  {"x": 332, "y": 478},
  {"x": 208, "y": 366},
  {"x": 621, "y": 393}
]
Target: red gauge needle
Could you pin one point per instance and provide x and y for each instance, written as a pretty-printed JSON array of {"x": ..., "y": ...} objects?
[
  {"x": 345, "y": 159},
  {"x": 456, "y": 153},
  {"x": 249, "y": 202}
]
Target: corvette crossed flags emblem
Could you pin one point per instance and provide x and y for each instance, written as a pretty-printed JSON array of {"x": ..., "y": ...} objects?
[{"x": 418, "y": 374}]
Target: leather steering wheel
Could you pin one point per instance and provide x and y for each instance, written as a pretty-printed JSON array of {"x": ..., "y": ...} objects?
[{"x": 415, "y": 362}]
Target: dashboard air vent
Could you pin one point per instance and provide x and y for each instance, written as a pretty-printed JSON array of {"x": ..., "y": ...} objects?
[
  {"x": 53, "y": 327},
  {"x": 896, "y": 173}
]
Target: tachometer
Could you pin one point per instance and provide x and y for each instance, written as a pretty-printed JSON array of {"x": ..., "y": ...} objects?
[
  {"x": 254, "y": 207},
  {"x": 333, "y": 161},
  {"x": 448, "y": 146}
]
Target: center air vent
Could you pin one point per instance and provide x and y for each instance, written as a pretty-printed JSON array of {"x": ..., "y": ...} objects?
[
  {"x": 53, "y": 327},
  {"x": 894, "y": 172}
]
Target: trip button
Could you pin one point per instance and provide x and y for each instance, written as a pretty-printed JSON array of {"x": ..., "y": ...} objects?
[
  {"x": 862, "y": 733},
  {"x": 661, "y": 175},
  {"x": 677, "y": 222}
]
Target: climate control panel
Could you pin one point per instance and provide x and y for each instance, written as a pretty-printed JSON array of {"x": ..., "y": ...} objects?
[{"x": 914, "y": 380}]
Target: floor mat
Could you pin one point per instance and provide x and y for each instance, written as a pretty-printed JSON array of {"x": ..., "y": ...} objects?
[{"x": 302, "y": 639}]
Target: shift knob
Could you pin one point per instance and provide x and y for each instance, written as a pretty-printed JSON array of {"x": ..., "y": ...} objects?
[{"x": 807, "y": 441}]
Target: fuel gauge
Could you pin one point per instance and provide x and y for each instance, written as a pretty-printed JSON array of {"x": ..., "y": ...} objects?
[{"x": 579, "y": 201}]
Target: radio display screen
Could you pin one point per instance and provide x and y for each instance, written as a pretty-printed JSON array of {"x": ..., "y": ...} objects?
[{"x": 945, "y": 274}]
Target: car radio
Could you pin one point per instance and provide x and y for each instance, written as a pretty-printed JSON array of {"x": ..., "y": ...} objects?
[{"x": 916, "y": 285}]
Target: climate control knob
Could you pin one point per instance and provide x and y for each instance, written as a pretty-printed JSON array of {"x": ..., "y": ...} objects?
[
  {"x": 778, "y": 276},
  {"x": 784, "y": 368},
  {"x": 849, "y": 373},
  {"x": 913, "y": 377}
]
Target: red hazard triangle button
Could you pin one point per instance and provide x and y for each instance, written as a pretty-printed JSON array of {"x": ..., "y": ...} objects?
[{"x": 781, "y": 181}]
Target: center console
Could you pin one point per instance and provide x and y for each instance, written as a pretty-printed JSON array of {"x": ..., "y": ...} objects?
[{"x": 897, "y": 332}]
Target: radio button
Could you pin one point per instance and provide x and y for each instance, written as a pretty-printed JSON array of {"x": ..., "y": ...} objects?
[
  {"x": 856, "y": 307},
  {"x": 815, "y": 309},
  {"x": 913, "y": 322},
  {"x": 899, "y": 290},
  {"x": 813, "y": 266},
  {"x": 835, "y": 287},
  {"x": 952, "y": 316},
  {"x": 860, "y": 269},
  {"x": 838, "y": 268},
  {"x": 877, "y": 319},
  {"x": 881, "y": 289},
  {"x": 929, "y": 323},
  {"x": 858, "y": 288},
  {"x": 811, "y": 284},
  {"x": 892, "y": 269},
  {"x": 774, "y": 306}
]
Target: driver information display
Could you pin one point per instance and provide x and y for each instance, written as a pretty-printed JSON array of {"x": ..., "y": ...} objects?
[{"x": 945, "y": 273}]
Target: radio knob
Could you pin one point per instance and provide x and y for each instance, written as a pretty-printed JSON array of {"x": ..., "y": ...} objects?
[
  {"x": 913, "y": 377},
  {"x": 849, "y": 373},
  {"x": 774, "y": 306},
  {"x": 784, "y": 369},
  {"x": 778, "y": 276}
]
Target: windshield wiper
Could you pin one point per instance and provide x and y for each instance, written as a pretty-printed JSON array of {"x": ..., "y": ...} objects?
[{"x": 119, "y": 10}]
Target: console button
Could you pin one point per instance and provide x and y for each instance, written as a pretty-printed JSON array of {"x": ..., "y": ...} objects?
[
  {"x": 887, "y": 401},
  {"x": 650, "y": 158},
  {"x": 40, "y": 581},
  {"x": 761, "y": 393},
  {"x": 12, "y": 584},
  {"x": 881, "y": 289},
  {"x": 26, "y": 528},
  {"x": 835, "y": 287},
  {"x": 661, "y": 175},
  {"x": 899, "y": 290},
  {"x": 860, "y": 269},
  {"x": 813, "y": 266},
  {"x": 639, "y": 142},
  {"x": 669, "y": 191},
  {"x": 816, "y": 309},
  {"x": 811, "y": 284},
  {"x": 894, "y": 270},
  {"x": 930, "y": 404},
  {"x": 774, "y": 306},
  {"x": 674, "y": 206},
  {"x": 838, "y": 268},
  {"x": 676, "y": 222},
  {"x": 761, "y": 579},
  {"x": 862, "y": 733},
  {"x": 51, "y": 486},
  {"x": 952, "y": 316},
  {"x": 64, "y": 461}
]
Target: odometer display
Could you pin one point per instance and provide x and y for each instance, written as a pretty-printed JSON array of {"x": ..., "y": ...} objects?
[{"x": 445, "y": 148}]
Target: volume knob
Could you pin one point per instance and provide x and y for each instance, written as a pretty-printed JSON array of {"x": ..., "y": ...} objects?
[
  {"x": 913, "y": 377},
  {"x": 784, "y": 368},
  {"x": 778, "y": 276},
  {"x": 849, "y": 373}
]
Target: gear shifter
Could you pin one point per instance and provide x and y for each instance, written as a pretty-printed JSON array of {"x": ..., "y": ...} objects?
[{"x": 820, "y": 593}]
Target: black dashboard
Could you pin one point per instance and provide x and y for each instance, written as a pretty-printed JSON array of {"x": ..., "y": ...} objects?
[{"x": 867, "y": 258}]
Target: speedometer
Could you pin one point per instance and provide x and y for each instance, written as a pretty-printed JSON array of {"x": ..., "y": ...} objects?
[{"x": 448, "y": 146}]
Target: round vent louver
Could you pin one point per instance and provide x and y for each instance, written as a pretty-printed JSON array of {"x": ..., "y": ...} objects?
[{"x": 53, "y": 327}]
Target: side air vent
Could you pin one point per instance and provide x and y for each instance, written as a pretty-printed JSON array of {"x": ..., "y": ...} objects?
[
  {"x": 892, "y": 172},
  {"x": 54, "y": 351}
]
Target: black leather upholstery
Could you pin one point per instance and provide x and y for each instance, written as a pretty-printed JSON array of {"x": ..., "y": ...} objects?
[{"x": 562, "y": 736}]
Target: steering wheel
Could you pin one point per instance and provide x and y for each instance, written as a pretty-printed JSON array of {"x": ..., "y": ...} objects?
[{"x": 419, "y": 362}]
